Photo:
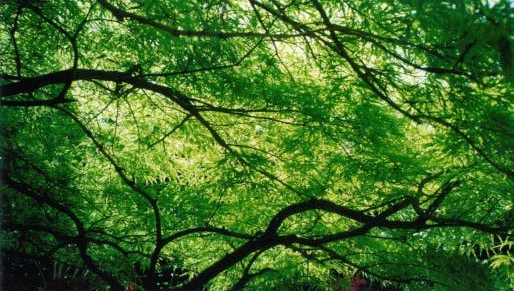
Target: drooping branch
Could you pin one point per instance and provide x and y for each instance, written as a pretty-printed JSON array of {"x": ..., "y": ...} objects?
[
  {"x": 375, "y": 86},
  {"x": 185, "y": 102},
  {"x": 32, "y": 84}
]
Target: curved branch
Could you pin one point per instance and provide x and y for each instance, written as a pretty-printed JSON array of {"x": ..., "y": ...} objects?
[
  {"x": 270, "y": 238},
  {"x": 370, "y": 80},
  {"x": 206, "y": 229}
]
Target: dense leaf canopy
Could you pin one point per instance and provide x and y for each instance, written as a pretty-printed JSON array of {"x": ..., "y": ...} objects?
[{"x": 260, "y": 144}]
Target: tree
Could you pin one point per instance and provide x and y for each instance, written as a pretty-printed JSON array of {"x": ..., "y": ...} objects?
[{"x": 260, "y": 144}]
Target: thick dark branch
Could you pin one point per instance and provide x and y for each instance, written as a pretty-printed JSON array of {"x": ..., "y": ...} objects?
[
  {"x": 28, "y": 85},
  {"x": 270, "y": 238},
  {"x": 315, "y": 204},
  {"x": 32, "y": 84},
  {"x": 198, "y": 282}
]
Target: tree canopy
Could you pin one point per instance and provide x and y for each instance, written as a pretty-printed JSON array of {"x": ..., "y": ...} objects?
[{"x": 260, "y": 144}]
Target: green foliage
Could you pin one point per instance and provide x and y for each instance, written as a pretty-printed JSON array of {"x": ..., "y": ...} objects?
[{"x": 262, "y": 144}]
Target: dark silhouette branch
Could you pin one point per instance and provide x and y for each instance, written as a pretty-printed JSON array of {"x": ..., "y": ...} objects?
[
  {"x": 271, "y": 237},
  {"x": 372, "y": 82},
  {"x": 137, "y": 189},
  {"x": 81, "y": 240},
  {"x": 247, "y": 276}
]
